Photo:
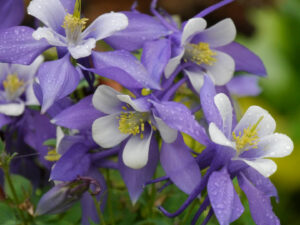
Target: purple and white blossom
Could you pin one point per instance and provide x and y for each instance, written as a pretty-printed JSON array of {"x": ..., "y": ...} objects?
[
  {"x": 127, "y": 118},
  {"x": 16, "y": 88},
  {"x": 199, "y": 46},
  {"x": 253, "y": 138},
  {"x": 64, "y": 29}
]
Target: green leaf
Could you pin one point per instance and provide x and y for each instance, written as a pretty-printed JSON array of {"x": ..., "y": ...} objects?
[
  {"x": 7, "y": 215},
  {"x": 21, "y": 185},
  {"x": 50, "y": 142}
]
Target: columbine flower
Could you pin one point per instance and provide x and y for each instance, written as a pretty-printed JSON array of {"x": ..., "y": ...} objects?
[
  {"x": 16, "y": 87},
  {"x": 199, "y": 46},
  {"x": 127, "y": 118},
  {"x": 64, "y": 29},
  {"x": 253, "y": 138}
]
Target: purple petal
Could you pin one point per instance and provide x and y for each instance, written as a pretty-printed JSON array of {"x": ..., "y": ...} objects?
[
  {"x": 141, "y": 29},
  {"x": 245, "y": 85},
  {"x": 11, "y": 13},
  {"x": 38, "y": 129},
  {"x": 155, "y": 57},
  {"x": 57, "y": 78},
  {"x": 259, "y": 203},
  {"x": 124, "y": 68},
  {"x": 74, "y": 162},
  {"x": 79, "y": 116},
  {"x": 4, "y": 120},
  {"x": 136, "y": 179},
  {"x": 180, "y": 166},
  {"x": 245, "y": 60},
  {"x": 179, "y": 117},
  {"x": 221, "y": 195},
  {"x": 260, "y": 182},
  {"x": 237, "y": 207},
  {"x": 18, "y": 46},
  {"x": 210, "y": 110}
]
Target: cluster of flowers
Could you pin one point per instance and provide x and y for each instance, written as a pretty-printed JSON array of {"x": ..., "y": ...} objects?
[{"x": 153, "y": 58}]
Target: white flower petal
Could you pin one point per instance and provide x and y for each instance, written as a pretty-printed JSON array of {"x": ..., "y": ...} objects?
[
  {"x": 27, "y": 72},
  {"x": 266, "y": 126},
  {"x": 4, "y": 70},
  {"x": 168, "y": 134},
  {"x": 172, "y": 64},
  {"x": 220, "y": 34},
  {"x": 50, "y": 35},
  {"x": 225, "y": 108},
  {"x": 30, "y": 95},
  {"x": 105, "y": 100},
  {"x": 50, "y": 12},
  {"x": 192, "y": 27},
  {"x": 222, "y": 70},
  {"x": 136, "y": 151},
  {"x": 106, "y": 25},
  {"x": 196, "y": 78},
  {"x": 12, "y": 109},
  {"x": 59, "y": 136},
  {"x": 276, "y": 145},
  {"x": 264, "y": 166},
  {"x": 106, "y": 133},
  {"x": 218, "y": 137},
  {"x": 134, "y": 104},
  {"x": 83, "y": 49}
]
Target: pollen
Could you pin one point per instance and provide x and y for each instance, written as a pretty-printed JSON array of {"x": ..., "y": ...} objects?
[
  {"x": 145, "y": 91},
  {"x": 200, "y": 53},
  {"x": 74, "y": 25},
  {"x": 13, "y": 86},
  {"x": 52, "y": 156},
  {"x": 249, "y": 138},
  {"x": 133, "y": 122}
]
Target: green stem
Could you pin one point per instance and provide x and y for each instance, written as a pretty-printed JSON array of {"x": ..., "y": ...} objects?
[
  {"x": 111, "y": 215},
  {"x": 14, "y": 193},
  {"x": 189, "y": 212},
  {"x": 97, "y": 205}
]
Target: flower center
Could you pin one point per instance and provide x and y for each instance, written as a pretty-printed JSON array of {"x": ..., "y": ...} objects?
[
  {"x": 249, "y": 138},
  {"x": 73, "y": 24},
  {"x": 133, "y": 122},
  {"x": 13, "y": 86},
  {"x": 52, "y": 155},
  {"x": 200, "y": 53}
]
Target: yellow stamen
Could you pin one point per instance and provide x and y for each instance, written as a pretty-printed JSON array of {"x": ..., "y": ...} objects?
[
  {"x": 52, "y": 156},
  {"x": 133, "y": 122},
  {"x": 248, "y": 139},
  {"x": 145, "y": 91},
  {"x": 13, "y": 86},
  {"x": 200, "y": 53},
  {"x": 74, "y": 25}
]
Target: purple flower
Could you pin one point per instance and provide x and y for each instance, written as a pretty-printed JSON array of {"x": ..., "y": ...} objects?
[
  {"x": 127, "y": 118},
  {"x": 16, "y": 90},
  {"x": 199, "y": 46},
  {"x": 63, "y": 29},
  {"x": 253, "y": 138}
]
